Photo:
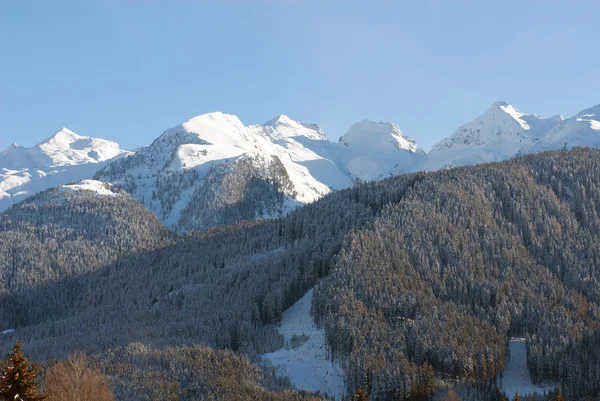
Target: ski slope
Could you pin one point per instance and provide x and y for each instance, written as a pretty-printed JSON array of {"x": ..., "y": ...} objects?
[
  {"x": 516, "y": 376},
  {"x": 307, "y": 365}
]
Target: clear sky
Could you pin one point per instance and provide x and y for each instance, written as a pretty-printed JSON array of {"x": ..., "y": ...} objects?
[{"x": 126, "y": 70}]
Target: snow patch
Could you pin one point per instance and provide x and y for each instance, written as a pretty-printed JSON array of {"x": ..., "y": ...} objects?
[
  {"x": 304, "y": 357},
  {"x": 516, "y": 376},
  {"x": 9, "y": 331},
  {"x": 516, "y": 114},
  {"x": 101, "y": 188}
]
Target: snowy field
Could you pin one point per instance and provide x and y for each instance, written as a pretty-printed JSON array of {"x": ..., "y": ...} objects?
[
  {"x": 516, "y": 376},
  {"x": 306, "y": 364}
]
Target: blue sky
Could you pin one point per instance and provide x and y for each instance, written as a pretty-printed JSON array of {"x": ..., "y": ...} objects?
[{"x": 127, "y": 70}]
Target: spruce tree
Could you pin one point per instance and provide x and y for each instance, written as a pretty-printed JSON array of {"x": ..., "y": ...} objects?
[{"x": 17, "y": 382}]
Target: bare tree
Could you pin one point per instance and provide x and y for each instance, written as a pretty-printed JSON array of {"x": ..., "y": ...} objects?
[{"x": 75, "y": 380}]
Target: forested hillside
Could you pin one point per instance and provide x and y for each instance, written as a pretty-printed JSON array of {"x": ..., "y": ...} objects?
[
  {"x": 59, "y": 232},
  {"x": 468, "y": 257},
  {"x": 419, "y": 278}
]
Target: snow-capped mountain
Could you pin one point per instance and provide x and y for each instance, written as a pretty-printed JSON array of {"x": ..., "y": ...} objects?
[
  {"x": 583, "y": 129},
  {"x": 62, "y": 158},
  {"x": 375, "y": 150},
  {"x": 498, "y": 134},
  {"x": 214, "y": 162},
  {"x": 214, "y": 170}
]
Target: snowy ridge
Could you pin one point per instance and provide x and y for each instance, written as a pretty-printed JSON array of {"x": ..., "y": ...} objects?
[
  {"x": 500, "y": 123},
  {"x": 169, "y": 173},
  {"x": 166, "y": 175},
  {"x": 374, "y": 150},
  {"x": 304, "y": 358},
  {"x": 500, "y": 133},
  {"x": 583, "y": 129},
  {"x": 377, "y": 136},
  {"x": 62, "y": 158}
]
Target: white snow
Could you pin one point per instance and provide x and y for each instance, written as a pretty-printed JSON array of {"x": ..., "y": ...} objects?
[
  {"x": 99, "y": 187},
  {"x": 516, "y": 114},
  {"x": 9, "y": 331},
  {"x": 62, "y": 158},
  {"x": 214, "y": 138},
  {"x": 498, "y": 134},
  {"x": 307, "y": 366},
  {"x": 316, "y": 166},
  {"x": 516, "y": 376},
  {"x": 582, "y": 129}
]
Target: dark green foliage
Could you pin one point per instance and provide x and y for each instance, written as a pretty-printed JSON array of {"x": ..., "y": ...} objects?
[{"x": 18, "y": 378}]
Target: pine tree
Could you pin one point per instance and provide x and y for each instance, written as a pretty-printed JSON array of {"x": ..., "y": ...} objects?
[
  {"x": 17, "y": 382},
  {"x": 517, "y": 397}
]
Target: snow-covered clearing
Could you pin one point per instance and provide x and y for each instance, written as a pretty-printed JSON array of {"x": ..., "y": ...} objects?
[
  {"x": 91, "y": 185},
  {"x": 516, "y": 375},
  {"x": 306, "y": 365}
]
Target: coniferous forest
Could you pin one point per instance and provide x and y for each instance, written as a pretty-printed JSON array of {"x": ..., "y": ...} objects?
[{"x": 420, "y": 280}]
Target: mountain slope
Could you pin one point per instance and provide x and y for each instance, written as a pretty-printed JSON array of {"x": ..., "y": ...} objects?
[
  {"x": 426, "y": 276},
  {"x": 72, "y": 229},
  {"x": 166, "y": 175},
  {"x": 216, "y": 149},
  {"x": 583, "y": 129},
  {"x": 498, "y": 134},
  {"x": 375, "y": 150},
  {"x": 62, "y": 158},
  {"x": 469, "y": 257},
  {"x": 214, "y": 170}
]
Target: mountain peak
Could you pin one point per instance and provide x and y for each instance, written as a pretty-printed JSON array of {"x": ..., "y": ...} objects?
[
  {"x": 64, "y": 136},
  {"x": 216, "y": 116},
  {"x": 281, "y": 119},
  {"x": 498, "y": 104},
  {"x": 284, "y": 126},
  {"x": 9, "y": 149},
  {"x": 381, "y": 136}
]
